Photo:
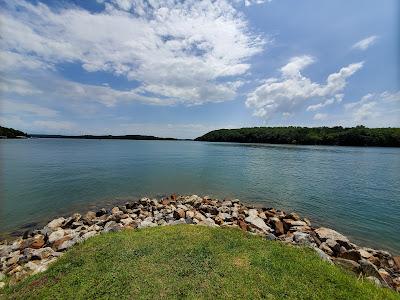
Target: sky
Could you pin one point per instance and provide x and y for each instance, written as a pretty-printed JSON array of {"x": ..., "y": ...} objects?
[{"x": 179, "y": 68}]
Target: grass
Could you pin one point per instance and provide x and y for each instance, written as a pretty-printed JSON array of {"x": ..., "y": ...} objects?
[{"x": 192, "y": 262}]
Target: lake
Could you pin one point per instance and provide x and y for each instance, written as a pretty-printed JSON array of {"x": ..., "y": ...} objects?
[{"x": 353, "y": 190}]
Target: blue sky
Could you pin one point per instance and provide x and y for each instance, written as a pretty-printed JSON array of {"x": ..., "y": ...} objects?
[{"x": 182, "y": 68}]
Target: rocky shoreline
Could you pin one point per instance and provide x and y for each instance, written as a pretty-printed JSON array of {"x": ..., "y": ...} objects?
[{"x": 37, "y": 249}]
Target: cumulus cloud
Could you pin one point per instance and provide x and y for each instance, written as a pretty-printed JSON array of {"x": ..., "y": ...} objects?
[
  {"x": 292, "y": 90},
  {"x": 364, "y": 44},
  {"x": 373, "y": 107},
  {"x": 180, "y": 51}
]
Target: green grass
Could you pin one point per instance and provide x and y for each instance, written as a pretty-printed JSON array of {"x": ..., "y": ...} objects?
[{"x": 192, "y": 262}]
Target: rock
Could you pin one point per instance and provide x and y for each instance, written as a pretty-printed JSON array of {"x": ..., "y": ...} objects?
[
  {"x": 324, "y": 247},
  {"x": 301, "y": 238},
  {"x": 243, "y": 225},
  {"x": 146, "y": 223},
  {"x": 190, "y": 214},
  {"x": 288, "y": 223},
  {"x": 90, "y": 215},
  {"x": 396, "y": 260},
  {"x": 327, "y": 233},
  {"x": 386, "y": 277},
  {"x": 115, "y": 210},
  {"x": 209, "y": 222},
  {"x": 88, "y": 235},
  {"x": 2, "y": 285},
  {"x": 333, "y": 245},
  {"x": 225, "y": 216},
  {"x": 277, "y": 225},
  {"x": 364, "y": 254},
  {"x": 56, "y": 223},
  {"x": 307, "y": 221},
  {"x": 127, "y": 221},
  {"x": 199, "y": 216},
  {"x": 369, "y": 269},
  {"x": 323, "y": 255},
  {"x": 293, "y": 216},
  {"x": 101, "y": 212},
  {"x": 56, "y": 235},
  {"x": 67, "y": 244},
  {"x": 270, "y": 237},
  {"x": 253, "y": 213},
  {"x": 374, "y": 280},
  {"x": 5, "y": 250},
  {"x": 350, "y": 265},
  {"x": 42, "y": 253},
  {"x": 112, "y": 226},
  {"x": 179, "y": 213},
  {"x": 38, "y": 242},
  {"x": 351, "y": 254},
  {"x": 257, "y": 222}
]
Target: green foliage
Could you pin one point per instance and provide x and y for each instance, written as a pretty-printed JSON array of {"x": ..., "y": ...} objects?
[
  {"x": 192, "y": 262},
  {"x": 355, "y": 136},
  {"x": 10, "y": 133}
]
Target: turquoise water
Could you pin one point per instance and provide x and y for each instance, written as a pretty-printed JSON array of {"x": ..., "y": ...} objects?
[{"x": 354, "y": 190}]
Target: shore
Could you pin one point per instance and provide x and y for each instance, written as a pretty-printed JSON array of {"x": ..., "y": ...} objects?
[{"x": 33, "y": 252}]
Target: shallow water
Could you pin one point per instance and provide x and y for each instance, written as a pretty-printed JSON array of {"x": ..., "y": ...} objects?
[{"x": 354, "y": 190}]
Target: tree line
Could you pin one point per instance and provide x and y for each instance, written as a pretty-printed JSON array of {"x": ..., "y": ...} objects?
[{"x": 338, "y": 135}]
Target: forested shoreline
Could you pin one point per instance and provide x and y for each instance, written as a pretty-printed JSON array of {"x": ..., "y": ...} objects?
[{"x": 339, "y": 136}]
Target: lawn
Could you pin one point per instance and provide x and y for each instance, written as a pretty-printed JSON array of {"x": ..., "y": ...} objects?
[{"x": 192, "y": 262}]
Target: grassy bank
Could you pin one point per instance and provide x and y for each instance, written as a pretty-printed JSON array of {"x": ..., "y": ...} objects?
[{"x": 186, "y": 261}]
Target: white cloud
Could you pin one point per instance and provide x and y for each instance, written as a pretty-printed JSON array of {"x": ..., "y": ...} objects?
[
  {"x": 17, "y": 86},
  {"x": 18, "y": 108},
  {"x": 364, "y": 44},
  {"x": 292, "y": 90},
  {"x": 185, "y": 52},
  {"x": 376, "y": 109},
  {"x": 320, "y": 116},
  {"x": 336, "y": 99},
  {"x": 252, "y": 2}
]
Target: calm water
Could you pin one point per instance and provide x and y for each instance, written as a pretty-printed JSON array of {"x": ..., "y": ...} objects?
[{"x": 354, "y": 190}]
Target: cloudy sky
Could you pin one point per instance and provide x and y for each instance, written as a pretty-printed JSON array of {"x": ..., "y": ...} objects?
[{"x": 181, "y": 68}]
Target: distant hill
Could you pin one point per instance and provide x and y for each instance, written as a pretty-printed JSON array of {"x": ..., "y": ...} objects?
[
  {"x": 11, "y": 133},
  {"x": 103, "y": 137},
  {"x": 354, "y": 136}
]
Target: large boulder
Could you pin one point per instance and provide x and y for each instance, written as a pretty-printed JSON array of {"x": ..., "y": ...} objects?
[
  {"x": 277, "y": 225},
  {"x": 56, "y": 235},
  {"x": 53, "y": 225},
  {"x": 347, "y": 264},
  {"x": 258, "y": 223},
  {"x": 327, "y": 233}
]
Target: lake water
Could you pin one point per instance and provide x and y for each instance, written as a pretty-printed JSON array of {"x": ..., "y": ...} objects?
[{"x": 353, "y": 190}]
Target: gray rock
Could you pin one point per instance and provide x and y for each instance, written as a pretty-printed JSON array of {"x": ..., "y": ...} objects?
[
  {"x": 257, "y": 222},
  {"x": 146, "y": 223},
  {"x": 302, "y": 238},
  {"x": 270, "y": 237},
  {"x": 56, "y": 235},
  {"x": 350, "y": 265},
  {"x": 327, "y": 233},
  {"x": 56, "y": 223},
  {"x": 42, "y": 253},
  {"x": 368, "y": 268},
  {"x": 323, "y": 255}
]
